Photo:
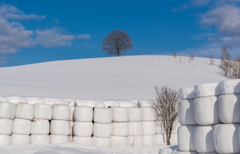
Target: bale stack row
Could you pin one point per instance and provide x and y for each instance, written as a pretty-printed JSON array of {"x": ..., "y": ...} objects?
[{"x": 210, "y": 121}]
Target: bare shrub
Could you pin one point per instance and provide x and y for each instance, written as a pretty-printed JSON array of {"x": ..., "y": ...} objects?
[
  {"x": 174, "y": 54},
  {"x": 192, "y": 57},
  {"x": 226, "y": 62},
  {"x": 166, "y": 108},
  {"x": 211, "y": 59}
]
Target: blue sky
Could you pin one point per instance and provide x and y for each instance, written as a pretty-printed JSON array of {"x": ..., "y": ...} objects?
[{"x": 39, "y": 30}]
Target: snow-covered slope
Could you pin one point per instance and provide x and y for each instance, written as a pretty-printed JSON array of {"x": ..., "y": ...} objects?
[{"x": 116, "y": 78}]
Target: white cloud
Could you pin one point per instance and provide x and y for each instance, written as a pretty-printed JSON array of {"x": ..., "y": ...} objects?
[
  {"x": 11, "y": 12},
  {"x": 181, "y": 8},
  {"x": 55, "y": 37}
]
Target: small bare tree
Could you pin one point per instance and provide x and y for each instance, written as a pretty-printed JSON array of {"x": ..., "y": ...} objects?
[
  {"x": 226, "y": 62},
  {"x": 166, "y": 108},
  {"x": 117, "y": 43},
  {"x": 174, "y": 54},
  {"x": 211, "y": 59},
  {"x": 192, "y": 57}
]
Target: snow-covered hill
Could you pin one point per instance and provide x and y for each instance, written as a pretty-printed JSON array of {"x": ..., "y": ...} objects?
[{"x": 113, "y": 78}]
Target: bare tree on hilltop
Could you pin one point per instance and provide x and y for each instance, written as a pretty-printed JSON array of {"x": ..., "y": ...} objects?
[
  {"x": 211, "y": 59},
  {"x": 116, "y": 43},
  {"x": 174, "y": 54}
]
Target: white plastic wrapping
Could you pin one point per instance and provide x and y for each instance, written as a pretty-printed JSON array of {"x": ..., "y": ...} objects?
[
  {"x": 6, "y": 126},
  {"x": 82, "y": 129},
  {"x": 134, "y": 141},
  {"x": 59, "y": 139},
  {"x": 186, "y": 112},
  {"x": 52, "y": 101},
  {"x": 127, "y": 104},
  {"x": 120, "y": 114},
  {"x": 60, "y": 127},
  {"x": 186, "y": 152},
  {"x": 7, "y": 110},
  {"x": 117, "y": 141},
  {"x": 71, "y": 128},
  {"x": 40, "y": 139},
  {"x": 4, "y": 100},
  {"x": 102, "y": 130},
  {"x": 89, "y": 103},
  {"x": 160, "y": 139},
  {"x": 16, "y": 100},
  {"x": 34, "y": 100},
  {"x": 71, "y": 111},
  {"x": 148, "y": 114},
  {"x": 40, "y": 127},
  {"x": 230, "y": 86},
  {"x": 134, "y": 128},
  {"x": 17, "y": 139},
  {"x": 229, "y": 108},
  {"x": 225, "y": 137},
  {"x": 186, "y": 138},
  {"x": 25, "y": 111},
  {"x": 22, "y": 126},
  {"x": 135, "y": 114},
  {"x": 83, "y": 114},
  {"x": 149, "y": 127},
  {"x": 61, "y": 112},
  {"x": 173, "y": 139},
  {"x": 5, "y": 140},
  {"x": 187, "y": 93},
  {"x": 149, "y": 139},
  {"x": 111, "y": 103},
  {"x": 101, "y": 142},
  {"x": 159, "y": 127},
  {"x": 120, "y": 129},
  {"x": 103, "y": 115},
  {"x": 208, "y": 89},
  {"x": 83, "y": 140},
  {"x": 43, "y": 111},
  {"x": 206, "y": 110},
  {"x": 203, "y": 139},
  {"x": 144, "y": 103}
]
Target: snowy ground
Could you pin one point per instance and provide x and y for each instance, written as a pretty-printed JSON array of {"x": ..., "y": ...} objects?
[{"x": 113, "y": 78}]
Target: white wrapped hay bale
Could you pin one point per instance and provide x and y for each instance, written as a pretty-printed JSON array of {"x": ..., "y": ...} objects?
[
  {"x": 59, "y": 127},
  {"x": 135, "y": 114},
  {"x": 206, "y": 110},
  {"x": 83, "y": 140},
  {"x": 117, "y": 141},
  {"x": 134, "y": 141},
  {"x": 101, "y": 142},
  {"x": 173, "y": 139},
  {"x": 160, "y": 139},
  {"x": 148, "y": 127},
  {"x": 5, "y": 140},
  {"x": 71, "y": 128},
  {"x": 186, "y": 138},
  {"x": 111, "y": 104},
  {"x": 82, "y": 129},
  {"x": 127, "y": 104},
  {"x": 40, "y": 139},
  {"x": 43, "y": 111},
  {"x": 17, "y": 139},
  {"x": 4, "y": 100},
  {"x": 159, "y": 127},
  {"x": 187, "y": 93},
  {"x": 25, "y": 111},
  {"x": 102, "y": 130},
  {"x": 40, "y": 127},
  {"x": 103, "y": 115},
  {"x": 229, "y": 108},
  {"x": 6, "y": 126},
  {"x": 22, "y": 126},
  {"x": 52, "y": 101},
  {"x": 71, "y": 112},
  {"x": 89, "y": 103},
  {"x": 230, "y": 86},
  {"x": 83, "y": 114},
  {"x": 16, "y": 100},
  {"x": 59, "y": 139},
  {"x": 7, "y": 110},
  {"x": 186, "y": 112},
  {"x": 144, "y": 103},
  {"x": 61, "y": 112},
  {"x": 225, "y": 137},
  {"x": 148, "y": 114},
  {"x": 34, "y": 100},
  {"x": 120, "y": 129},
  {"x": 186, "y": 152},
  {"x": 203, "y": 139},
  {"x": 149, "y": 139},
  {"x": 120, "y": 114},
  {"x": 208, "y": 89},
  {"x": 135, "y": 128}
]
